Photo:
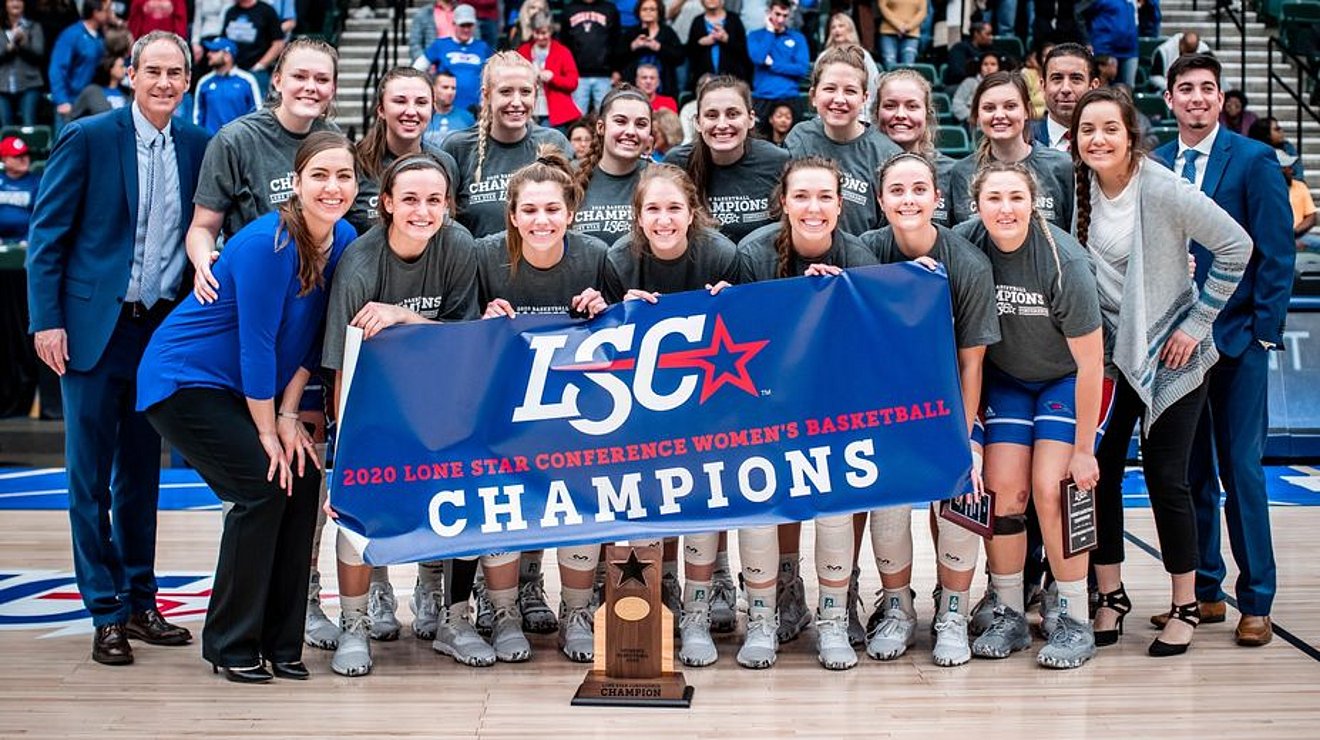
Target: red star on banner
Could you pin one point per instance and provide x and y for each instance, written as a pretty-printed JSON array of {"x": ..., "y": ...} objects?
[{"x": 722, "y": 347}]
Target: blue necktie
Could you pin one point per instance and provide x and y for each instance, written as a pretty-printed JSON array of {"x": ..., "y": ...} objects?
[
  {"x": 149, "y": 278},
  {"x": 1189, "y": 165}
]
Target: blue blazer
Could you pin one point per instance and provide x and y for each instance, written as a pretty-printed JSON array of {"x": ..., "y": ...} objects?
[
  {"x": 1040, "y": 131},
  {"x": 1243, "y": 177},
  {"x": 80, "y": 247}
]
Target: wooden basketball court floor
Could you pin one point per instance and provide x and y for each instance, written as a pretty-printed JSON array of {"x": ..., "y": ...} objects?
[{"x": 49, "y": 686}]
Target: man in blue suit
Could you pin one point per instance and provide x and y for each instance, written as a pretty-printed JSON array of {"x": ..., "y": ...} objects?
[
  {"x": 1243, "y": 177},
  {"x": 105, "y": 266}
]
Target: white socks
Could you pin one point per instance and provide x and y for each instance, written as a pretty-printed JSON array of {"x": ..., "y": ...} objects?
[
  {"x": 1072, "y": 600},
  {"x": 1008, "y": 588}
]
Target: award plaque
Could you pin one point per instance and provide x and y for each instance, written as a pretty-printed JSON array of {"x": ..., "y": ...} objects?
[
  {"x": 976, "y": 515},
  {"x": 634, "y": 665},
  {"x": 1078, "y": 509}
]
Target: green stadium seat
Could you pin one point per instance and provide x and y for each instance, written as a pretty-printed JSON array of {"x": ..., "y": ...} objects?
[
  {"x": 953, "y": 141},
  {"x": 1146, "y": 47},
  {"x": 1010, "y": 46},
  {"x": 943, "y": 106},
  {"x": 1299, "y": 28},
  {"x": 925, "y": 70},
  {"x": 38, "y": 138},
  {"x": 1152, "y": 105},
  {"x": 1164, "y": 134}
]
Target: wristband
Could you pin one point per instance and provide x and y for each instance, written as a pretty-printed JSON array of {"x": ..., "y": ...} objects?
[{"x": 289, "y": 415}]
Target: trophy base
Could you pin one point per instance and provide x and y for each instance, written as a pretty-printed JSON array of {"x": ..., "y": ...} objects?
[{"x": 599, "y": 690}]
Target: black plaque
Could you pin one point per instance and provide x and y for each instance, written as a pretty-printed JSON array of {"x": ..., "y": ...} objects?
[
  {"x": 971, "y": 512},
  {"x": 1078, "y": 508}
]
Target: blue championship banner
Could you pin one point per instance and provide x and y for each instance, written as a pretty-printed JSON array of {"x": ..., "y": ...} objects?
[{"x": 768, "y": 403}]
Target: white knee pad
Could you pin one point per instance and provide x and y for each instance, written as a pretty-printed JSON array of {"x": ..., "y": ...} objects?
[
  {"x": 657, "y": 542},
  {"x": 498, "y": 559},
  {"x": 758, "y": 548},
  {"x": 834, "y": 547},
  {"x": 701, "y": 549},
  {"x": 344, "y": 550},
  {"x": 579, "y": 557},
  {"x": 957, "y": 547},
  {"x": 891, "y": 538}
]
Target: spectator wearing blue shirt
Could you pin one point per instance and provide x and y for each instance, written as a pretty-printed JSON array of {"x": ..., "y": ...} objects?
[
  {"x": 780, "y": 63},
  {"x": 462, "y": 56},
  {"x": 18, "y": 189},
  {"x": 446, "y": 119},
  {"x": 74, "y": 58},
  {"x": 1110, "y": 27},
  {"x": 226, "y": 92}
]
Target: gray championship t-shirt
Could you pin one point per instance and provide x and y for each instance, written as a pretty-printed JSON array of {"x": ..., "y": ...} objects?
[
  {"x": 858, "y": 159},
  {"x": 247, "y": 171},
  {"x": 534, "y": 291},
  {"x": 1056, "y": 187},
  {"x": 482, "y": 203},
  {"x": 971, "y": 283},
  {"x": 738, "y": 195},
  {"x": 758, "y": 260},
  {"x": 1043, "y": 300},
  {"x": 606, "y": 211},
  {"x": 709, "y": 258},
  {"x": 440, "y": 285},
  {"x": 364, "y": 214}
]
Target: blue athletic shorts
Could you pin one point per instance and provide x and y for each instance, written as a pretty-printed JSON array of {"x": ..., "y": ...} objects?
[{"x": 1022, "y": 413}]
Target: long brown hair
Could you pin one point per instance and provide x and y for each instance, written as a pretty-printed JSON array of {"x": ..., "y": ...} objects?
[
  {"x": 700, "y": 163},
  {"x": 371, "y": 150},
  {"x": 784, "y": 239},
  {"x": 293, "y": 228},
  {"x": 499, "y": 59},
  {"x": 989, "y": 82},
  {"x": 1136, "y": 149},
  {"x": 587, "y": 165},
  {"x": 419, "y": 161},
  {"x": 701, "y": 218},
  {"x": 551, "y": 165}
]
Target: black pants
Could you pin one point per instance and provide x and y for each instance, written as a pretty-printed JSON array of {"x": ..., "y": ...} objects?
[
  {"x": 1165, "y": 453},
  {"x": 259, "y": 601}
]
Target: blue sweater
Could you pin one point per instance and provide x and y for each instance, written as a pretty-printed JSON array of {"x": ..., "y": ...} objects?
[
  {"x": 1111, "y": 27},
  {"x": 256, "y": 335},
  {"x": 791, "y": 63},
  {"x": 223, "y": 97},
  {"x": 73, "y": 62},
  {"x": 16, "y": 199},
  {"x": 464, "y": 62}
]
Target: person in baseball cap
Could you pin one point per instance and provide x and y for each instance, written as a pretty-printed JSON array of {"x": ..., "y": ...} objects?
[
  {"x": 219, "y": 43},
  {"x": 18, "y": 189}
]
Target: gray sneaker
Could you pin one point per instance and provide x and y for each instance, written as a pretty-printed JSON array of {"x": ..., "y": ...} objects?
[
  {"x": 892, "y": 635},
  {"x": 577, "y": 640},
  {"x": 485, "y": 611},
  {"x": 983, "y": 614},
  {"x": 951, "y": 646},
  {"x": 760, "y": 645},
  {"x": 791, "y": 600},
  {"x": 537, "y": 616},
  {"x": 671, "y": 593},
  {"x": 457, "y": 638},
  {"x": 723, "y": 603},
  {"x": 511, "y": 645},
  {"x": 381, "y": 606},
  {"x": 856, "y": 632},
  {"x": 353, "y": 656},
  {"x": 698, "y": 648},
  {"x": 1070, "y": 645},
  {"x": 1007, "y": 634},
  {"x": 426, "y": 612},
  {"x": 832, "y": 648},
  {"x": 318, "y": 630},
  {"x": 1049, "y": 610}
]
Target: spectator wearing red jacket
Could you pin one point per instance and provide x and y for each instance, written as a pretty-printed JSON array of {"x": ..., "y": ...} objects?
[
  {"x": 145, "y": 16},
  {"x": 558, "y": 73}
]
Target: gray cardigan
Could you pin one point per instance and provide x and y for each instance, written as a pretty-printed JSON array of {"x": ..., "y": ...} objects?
[{"x": 1158, "y": 294}]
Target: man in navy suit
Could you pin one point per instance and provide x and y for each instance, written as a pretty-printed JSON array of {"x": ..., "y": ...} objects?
[
  {"x": 105, "y": 266},
  {"x": 1069, "y": 73},
  {"x": 1243, "y": 177}
]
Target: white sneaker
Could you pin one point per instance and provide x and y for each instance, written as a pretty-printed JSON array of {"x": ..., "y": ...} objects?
[
  {"x": 457, "y": 638},
  {"x": 318, "y": 630},
  {"x": 832, "y": 647},
  {"x": 892, "y": 635},
  {"x": 791, "y": 602},
  {"x": 723, "y": 603},
  {"x": 698, "y": 648},
  {"x": 577, "y": 640},
  {"x": 353, "y": 656},
  {"x": 426, "y": 611},
  {"x": 951, "y": 646},
  {"x": 856, "y": 632},
  {"x": 511, "y": 645},
  {"x": 381, "y": 605},
  {"x": 760, "y": 645},
  {"x": 537, "y": 616}
]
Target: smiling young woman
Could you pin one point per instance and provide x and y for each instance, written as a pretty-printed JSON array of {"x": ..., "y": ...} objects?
[{"x": 608, "y": 173}]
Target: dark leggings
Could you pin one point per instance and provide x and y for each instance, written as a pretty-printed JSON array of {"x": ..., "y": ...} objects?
[
  {"x": 459, "y": 575},
  {"x": 1164, "y": 457}
]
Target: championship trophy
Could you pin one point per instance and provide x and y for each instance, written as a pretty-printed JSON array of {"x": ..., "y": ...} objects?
[{"x": 634, "y": 665}]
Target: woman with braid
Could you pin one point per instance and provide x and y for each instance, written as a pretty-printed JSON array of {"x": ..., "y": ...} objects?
[
  {"x": 806, "y": 240},
  {"x": 1136, "y": 219},
  {"x": 608, "y": 173}
]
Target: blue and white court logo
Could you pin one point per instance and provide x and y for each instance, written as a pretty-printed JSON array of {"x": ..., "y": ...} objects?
[{"x": 49, "y": 600}]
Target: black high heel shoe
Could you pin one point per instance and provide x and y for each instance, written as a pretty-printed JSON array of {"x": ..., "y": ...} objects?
[
  {"x": 1116, "y": 601},
  {"x": 1185, "y": 613},
  {"x": 255, "y": 674},
  {"x": 292, "y": 669}
]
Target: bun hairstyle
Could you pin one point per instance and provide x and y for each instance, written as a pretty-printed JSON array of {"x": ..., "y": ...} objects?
[
  {"x": 410, "y": 163},
  {"x": 587, "y": 165},
  {"x": 701, "y": 218},
  {"x": 1136, "y": 149},
  {"x": 1021, "y": 170},
  {"x": 850, "y": 55},
  {"x": 371, "y": 150},
  {"x": 551, "y": 165},
  {"x": 293, "y": 226},
  {"x": 784, "y": 239},
  {"x": 990, "y": 82},
  {"x": 927, "y": 144},
  {"x": 700, "y": 162}
]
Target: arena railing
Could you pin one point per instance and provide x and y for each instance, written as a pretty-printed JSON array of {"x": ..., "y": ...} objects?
[
  {"x": 385, "y": 57},
  {"x": 1296, "y": 92},
  {"x": 1238, "y": 17}
]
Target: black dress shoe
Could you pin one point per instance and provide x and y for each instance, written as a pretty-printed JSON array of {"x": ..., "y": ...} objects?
[
  {"x": 292, "y": 669},
  {"x": 110, "y": 646},
  {"x": 150, "y": 627},
  {"x": 255, "y": 674}
]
